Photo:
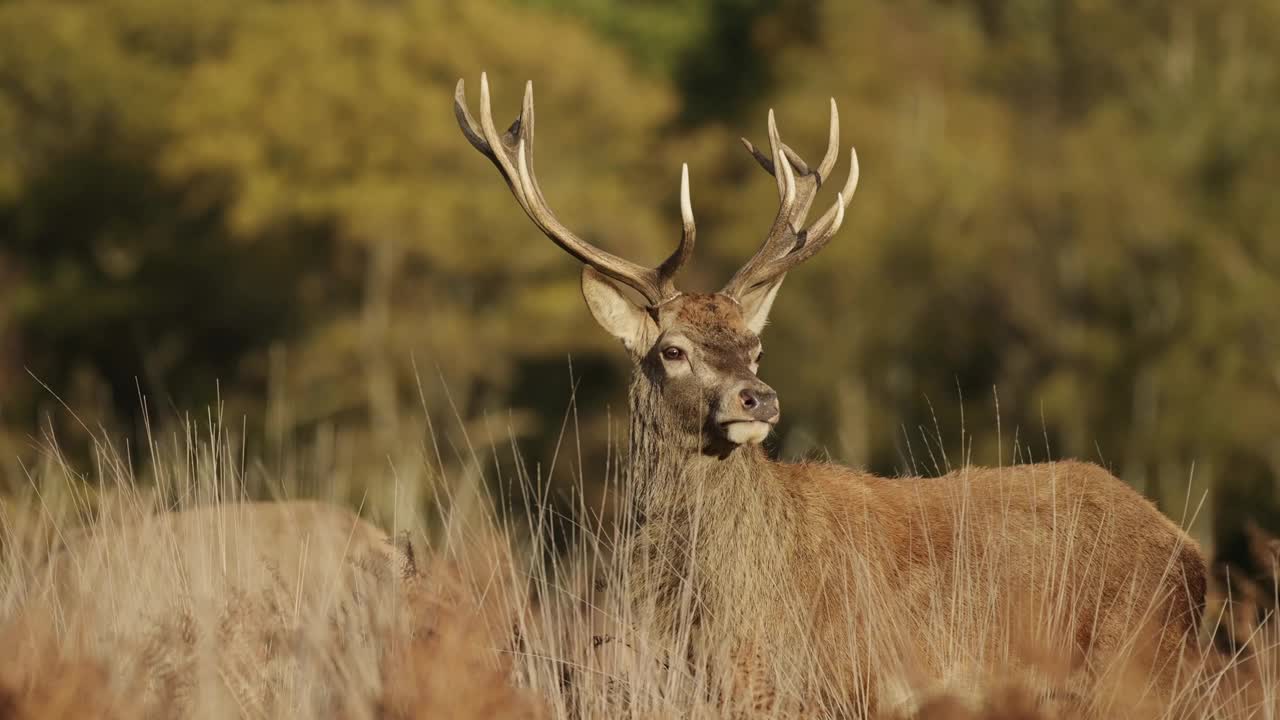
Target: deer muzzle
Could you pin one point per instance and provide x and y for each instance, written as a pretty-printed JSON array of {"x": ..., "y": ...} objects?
[{"x": 748, "y": 412}]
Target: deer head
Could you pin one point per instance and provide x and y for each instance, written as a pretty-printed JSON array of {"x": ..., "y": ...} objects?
[{"x": 698, "y": 354}]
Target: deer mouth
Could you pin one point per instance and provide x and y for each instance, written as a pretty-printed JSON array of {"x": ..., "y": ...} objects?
[{"x": 746, "y": 432}]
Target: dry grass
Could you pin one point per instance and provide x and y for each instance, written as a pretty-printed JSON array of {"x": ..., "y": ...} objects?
[{"x": 465, "y": 617}]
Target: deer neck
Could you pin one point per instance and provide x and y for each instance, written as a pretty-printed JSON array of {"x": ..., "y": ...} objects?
[
  {"x": 669, "y": 467},
  {"x": 720, "y": 522}
]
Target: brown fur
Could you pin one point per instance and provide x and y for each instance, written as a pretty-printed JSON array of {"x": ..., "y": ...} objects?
[
  {"x": 787, "y": 558},
  {"x": 240, "y": 580},
  {"x": 270, "y": 593},
  {"x": 246, "y": 539}
]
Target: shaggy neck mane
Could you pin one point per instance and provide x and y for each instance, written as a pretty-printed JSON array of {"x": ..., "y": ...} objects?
[{"x": 717, "y": 526}]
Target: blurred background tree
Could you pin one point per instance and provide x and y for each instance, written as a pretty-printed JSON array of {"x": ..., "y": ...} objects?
[{"x": 1063, "y": 240}]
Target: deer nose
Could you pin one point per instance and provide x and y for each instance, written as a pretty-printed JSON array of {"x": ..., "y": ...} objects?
[{"x": 760, "y": 403}]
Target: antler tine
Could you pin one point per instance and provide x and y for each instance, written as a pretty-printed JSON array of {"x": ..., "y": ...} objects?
[
  {"x": 470, "y": 128},
  {"x": 512, "y": 153},
  {"x": 689, "y": 232},
  {"x": 821, "y": 226},
  {"x": 808, "y": 180},
  {"x": 786, "y": 245},
  {"x": 814, "y": 238}
]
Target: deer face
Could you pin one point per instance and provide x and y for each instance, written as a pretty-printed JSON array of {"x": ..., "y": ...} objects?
[{"x": 701, "y": 354}]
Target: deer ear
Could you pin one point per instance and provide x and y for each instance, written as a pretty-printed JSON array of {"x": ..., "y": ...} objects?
[
  {"x": 616, "y": 312},
  {"x": 757, "y": 303}
]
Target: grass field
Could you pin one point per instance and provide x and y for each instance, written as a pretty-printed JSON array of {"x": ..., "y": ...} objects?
[{"x": 113, "y": 606}]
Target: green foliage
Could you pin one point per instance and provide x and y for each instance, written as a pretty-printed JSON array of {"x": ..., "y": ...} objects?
[
  {"x": 106, "y": 266},
  {"x": 1054, "y": 207},
  {"x": 714, "y": 52},
  {"x": 343, "y": 118},
  {"x": 1068, "y": 204},
  {"x": 195, "y": 184}
]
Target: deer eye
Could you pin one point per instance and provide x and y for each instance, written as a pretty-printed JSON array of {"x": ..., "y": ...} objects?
[{"x": 672, "y": 353}]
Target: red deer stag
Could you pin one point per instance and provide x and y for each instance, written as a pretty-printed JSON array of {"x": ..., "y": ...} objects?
[{"x": 846, "y": 586}]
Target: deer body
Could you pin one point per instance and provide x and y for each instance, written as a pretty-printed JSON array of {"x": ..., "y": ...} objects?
[
  {"x": 843, "y": 586},
  {"x": 821, "y": 566},
  {"x": 220, "y": 606},
  {"x": 297, "y": 544}
]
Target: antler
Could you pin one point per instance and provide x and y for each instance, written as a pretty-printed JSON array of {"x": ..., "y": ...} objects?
[
  {"x": 786, "y": 245},
  {"x": 512, "y": 153}
]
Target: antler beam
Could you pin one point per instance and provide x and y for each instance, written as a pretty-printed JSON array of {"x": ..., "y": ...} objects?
[{"x": 512, "y": 153}]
